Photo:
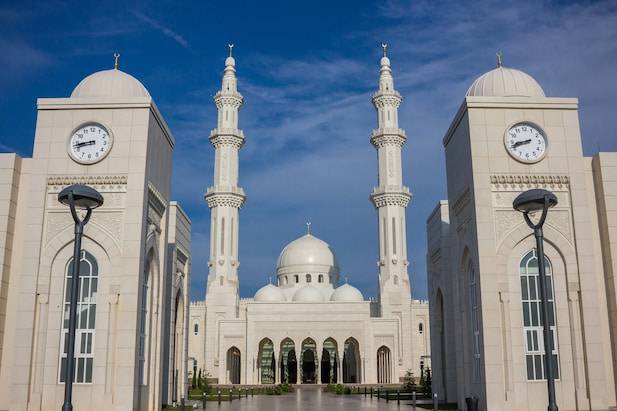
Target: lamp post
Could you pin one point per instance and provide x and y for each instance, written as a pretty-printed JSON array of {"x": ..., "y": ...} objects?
[
  {"x": 532, "y": 201},
  {"x": 77, "y": 197}
]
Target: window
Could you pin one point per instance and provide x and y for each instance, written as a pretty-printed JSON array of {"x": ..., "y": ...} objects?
[
  {"x": 320, "y": 278},
  {"x": 421, "y": 328},
  {"x": 86, "y": 318},
  {"x": 286, "y": 280},
  {"x": 474, "y": 309},
  {"x": 297, "y": 278},
  {"x": 196, "y": 329},
  {"x": 308, "y": 278},
  {"x": 532, "y": 321},
  {"x": 143, "y": 323}
]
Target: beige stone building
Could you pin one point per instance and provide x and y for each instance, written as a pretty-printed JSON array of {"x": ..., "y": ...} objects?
[
  {"x": 508, "y": 137},
  {"x": 133, "y": 303},
  {"x": 309, "y": 327}
]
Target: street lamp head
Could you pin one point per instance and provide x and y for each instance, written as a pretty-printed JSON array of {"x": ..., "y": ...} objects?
[
  {"x": 84, "y": 197},
  {"x": 533, "y": 200}
]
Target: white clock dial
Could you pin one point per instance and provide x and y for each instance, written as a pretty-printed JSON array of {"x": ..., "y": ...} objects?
[
  {"x": 90, "y": 143},
  {"x": 525, "y": 142}
]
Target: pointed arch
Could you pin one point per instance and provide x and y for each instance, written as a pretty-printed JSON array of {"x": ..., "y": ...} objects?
[
  {"x": 233, "y": 365},
  {"x": 266, "y": 362},
  {"x": 384, "y": 365},
  {"x": 351, "y": 361},
  {"x": 288, "y": 361},
  {"x": 329, "y": 361}
]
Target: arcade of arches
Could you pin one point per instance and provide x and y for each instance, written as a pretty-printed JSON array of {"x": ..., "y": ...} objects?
[{"x": 304, "y": 364}]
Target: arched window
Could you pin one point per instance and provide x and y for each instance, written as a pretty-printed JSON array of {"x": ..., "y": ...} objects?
[
  {"x": 297, "y": 278},
  {"x": 196, "y": 329},
  {"x": 286, "y": 279},
  {"x": 86, "y": 318},
  {"x": 144, "y": 319},
  {"x": 308, "y": 278},
  {"x": 384, "y": 366},
  {"x": 320, "y": 278},
  {"x": 532, "y": 320},
  {"x": 421, "y": 328},
  {"x": 474, "y": 309}
]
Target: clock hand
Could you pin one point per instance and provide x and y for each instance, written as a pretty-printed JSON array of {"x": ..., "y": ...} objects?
[
  {"x": 84, "y": 143},
  {"x": 520, "y": 143}
]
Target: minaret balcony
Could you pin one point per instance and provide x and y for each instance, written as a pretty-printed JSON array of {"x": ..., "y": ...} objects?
[
  {"x": 230, "y": 136},
  {"x": 390, "y": 195},
  {"x": 388, "y": 98},
  {"x": 229, "y": 196},
  {"x": 228, "y": 98},
  {"x": 388, "y": 135}
]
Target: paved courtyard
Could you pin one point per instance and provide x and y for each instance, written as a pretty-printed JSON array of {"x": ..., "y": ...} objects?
[{"x": 308, "y": 399}]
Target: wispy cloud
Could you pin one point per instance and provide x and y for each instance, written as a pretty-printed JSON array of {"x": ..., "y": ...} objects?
[{"x": 163, "y": 29}]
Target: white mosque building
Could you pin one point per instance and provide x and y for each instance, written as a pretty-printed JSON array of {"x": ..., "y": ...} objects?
[{"x": 308, "y": 328}]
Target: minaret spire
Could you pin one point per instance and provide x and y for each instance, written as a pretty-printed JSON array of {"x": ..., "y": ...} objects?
[
  {"x": 225, "y": 197},
  {"x": 390, "y": 197}
]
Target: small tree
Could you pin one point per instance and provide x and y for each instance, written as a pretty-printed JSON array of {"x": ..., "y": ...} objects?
[
  {"x": 194, "y": 383},
  {"x": 428, "y": 382},
  {"x": 409, "y": 383},
  {"x": 199, "y": 379}
]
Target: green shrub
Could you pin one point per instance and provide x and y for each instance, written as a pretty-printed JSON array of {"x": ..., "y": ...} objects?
[
  {"x": 347, "y": 391},
  {"x": 339, "y": 388}
]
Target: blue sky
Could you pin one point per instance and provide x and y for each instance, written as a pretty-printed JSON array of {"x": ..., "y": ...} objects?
[{"x": 307, "y": 70}]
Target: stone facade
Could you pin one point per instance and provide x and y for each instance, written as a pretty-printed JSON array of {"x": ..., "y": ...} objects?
[
  {"x": 135, "y": 256},
  {"x": 481, "y": 264}
]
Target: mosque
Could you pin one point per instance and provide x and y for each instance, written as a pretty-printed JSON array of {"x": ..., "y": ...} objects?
[{"x": 309, "y": 327}]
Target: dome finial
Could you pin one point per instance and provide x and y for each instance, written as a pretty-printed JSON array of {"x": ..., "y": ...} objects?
[
  {"x": 231, "y": 46},
  {"x": 116, "y": 60},
  {"x": 270, "y": 280},
  {"x": 308, "y": 228},
  {"x": 346, "y": 280},
  {"x": 385, "y": 49},
  {"x": 499, "y": 55}
]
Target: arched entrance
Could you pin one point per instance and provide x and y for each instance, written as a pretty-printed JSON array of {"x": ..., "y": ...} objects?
[
  {"x": 289, "y": 363},
  {"x": 309, "y": 361},
  {"x": 329, "y": 362},
  {"x": 266, "y": 362},
  {"x": 384, "y": 365},
  {"x": 351, "y": 361},
  {"x": 233, "y": 365}
]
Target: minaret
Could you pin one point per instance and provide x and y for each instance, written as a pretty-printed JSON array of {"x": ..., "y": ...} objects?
[
  {"x": 391, "y": 196},
  {"x": 225, "y": 198}
]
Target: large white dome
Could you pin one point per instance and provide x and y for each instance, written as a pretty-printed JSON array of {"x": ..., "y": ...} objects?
[
  {"x": 308, "y": 294},
  {"x": 269, "y": 293},
  {"x": 307, "y": 254},
  {"x": 110, "y": 83},
  {"x": 347, "y": 293},
  {"x": 505, "y": 82}
]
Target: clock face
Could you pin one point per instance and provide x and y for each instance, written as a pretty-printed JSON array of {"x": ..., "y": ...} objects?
[
  {"x": 90, "y": 143},
  {"x": 525, "y": 142}
]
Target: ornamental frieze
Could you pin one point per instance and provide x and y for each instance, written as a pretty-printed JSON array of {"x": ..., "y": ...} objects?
[
  {"x": 508, "y": 182},
  {"x": 225, "y": 199},
  {"x": 103, "y": 183},
  {"x": 219, "y": 140},
  {"x": 400, "y": 199}
]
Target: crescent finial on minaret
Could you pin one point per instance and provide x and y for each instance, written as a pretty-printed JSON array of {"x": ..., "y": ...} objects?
[
  {"x": 116, "y": 60},
  {"x": 385, "y": 49},
  {"x": 231, "y": 46},
  {"x": 308, "y": 227}
]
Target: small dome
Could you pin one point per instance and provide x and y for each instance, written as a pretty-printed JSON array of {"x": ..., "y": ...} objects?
[
  {"x": 308, "y": 294},
  {"x": 385, "y": 61},
  {"x": 307, "y": 254},
  {"x": 110, "y": 83},
  {"x": 505, "y": 82},
  {"x": 230, "y": 61},
  {"x": 347, "y": 293},
  {"x": 269, "y": 293}
]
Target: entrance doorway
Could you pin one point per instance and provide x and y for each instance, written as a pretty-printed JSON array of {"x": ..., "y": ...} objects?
[
  {"x": 309, "y": 363},
  {"x": 289, "y": 363}
]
